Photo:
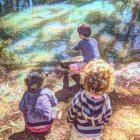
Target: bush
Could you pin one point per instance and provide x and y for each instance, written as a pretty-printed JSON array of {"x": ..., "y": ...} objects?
[
  {"x": 2, "y": 70},
  {"x": 8, "y": 60},
  {"x": 109, "y": 52}
]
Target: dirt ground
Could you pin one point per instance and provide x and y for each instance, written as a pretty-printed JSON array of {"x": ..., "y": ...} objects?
[{"x": 124, "y": 125}]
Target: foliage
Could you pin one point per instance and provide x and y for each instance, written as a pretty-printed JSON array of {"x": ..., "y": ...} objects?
[
  {"x": 2, "y": 70},
  {"x": 110, "y": 20},
  {"x": 122, "y": 123},
  {"x": 96, "y": 17},
  {"x": 8, "y": 60},
  {"x": 118, "y": 56}
]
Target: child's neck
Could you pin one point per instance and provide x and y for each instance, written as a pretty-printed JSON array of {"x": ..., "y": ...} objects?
[
  {"x": 97, "y": 97},
  {"x": 83, "y": 37},
  {"x": 86, "y": 38}
]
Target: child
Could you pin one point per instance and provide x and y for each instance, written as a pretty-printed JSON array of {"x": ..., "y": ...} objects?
[
  {"x": 37, "y": 104},
  {"x": 87, "y": 45},
  {"x": 90, "y": 109}
]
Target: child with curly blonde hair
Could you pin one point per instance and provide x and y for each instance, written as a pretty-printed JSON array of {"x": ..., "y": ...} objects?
[{"x": 90, "y": 109}]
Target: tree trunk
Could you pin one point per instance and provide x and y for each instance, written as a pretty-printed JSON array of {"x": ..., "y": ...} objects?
[
  {"x": 0, "y": 7},
  {"x": 17, "y": 5},
  {"x": 6, "y": 6},
  {"x": 134, "y": 17},
  {"x": 30, "y": 3},
  {"x": 10, "y": 5}
]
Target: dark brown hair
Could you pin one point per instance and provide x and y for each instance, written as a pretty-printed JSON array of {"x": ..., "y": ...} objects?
[
  {"x": 34, "y": 80},
  {"x": 84, "y": 29}
]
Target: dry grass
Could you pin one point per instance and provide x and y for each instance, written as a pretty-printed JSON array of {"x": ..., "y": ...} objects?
[{"x": 124, "y": 125}]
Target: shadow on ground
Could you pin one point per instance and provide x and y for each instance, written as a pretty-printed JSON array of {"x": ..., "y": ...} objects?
[{"x": 25, "y": 135}]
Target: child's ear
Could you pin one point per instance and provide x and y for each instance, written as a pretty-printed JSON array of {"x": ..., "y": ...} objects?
[
  {"x": 25, "y": 80},
  {"x": 80, "y": 35}
]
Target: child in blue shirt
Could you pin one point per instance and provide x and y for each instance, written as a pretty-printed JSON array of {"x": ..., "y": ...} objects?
[{"x": 87, "y": 45}]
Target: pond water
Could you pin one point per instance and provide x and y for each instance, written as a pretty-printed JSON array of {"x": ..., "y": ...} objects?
[{"x": 42, "y": 32}]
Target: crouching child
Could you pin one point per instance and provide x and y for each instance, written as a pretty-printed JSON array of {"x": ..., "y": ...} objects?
[{"x": 37, "y": 104}]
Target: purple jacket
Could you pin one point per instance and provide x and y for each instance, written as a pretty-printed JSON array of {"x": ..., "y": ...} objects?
[{"x": 38, "y": 107}]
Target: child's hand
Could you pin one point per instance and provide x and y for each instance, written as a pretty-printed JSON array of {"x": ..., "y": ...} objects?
[
  {"x": 60, "y": 115},
  {"x": 70, "y": 125},
  {"x": 105, "y": 124}
]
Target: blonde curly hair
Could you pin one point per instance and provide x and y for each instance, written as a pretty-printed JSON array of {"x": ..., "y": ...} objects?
[{"x": 98, "y": 76}]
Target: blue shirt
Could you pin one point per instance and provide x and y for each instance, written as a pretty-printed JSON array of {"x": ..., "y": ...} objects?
[{"x": 89, "y": 48}]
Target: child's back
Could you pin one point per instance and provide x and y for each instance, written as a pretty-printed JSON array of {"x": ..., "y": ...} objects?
[
  {"x": 92, "y": 114},
  {"x": 37, "y": 104},
  {"x": 89, "y": 48},
  {"x": 37, "y": 107},
  {"x": 90, "y": 109}
]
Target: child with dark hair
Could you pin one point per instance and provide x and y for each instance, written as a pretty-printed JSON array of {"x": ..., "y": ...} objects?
[
  {"x": 87, "y": 45},
  {"x": 37, "y": 104},
  {"x": 90, "y": 109}
]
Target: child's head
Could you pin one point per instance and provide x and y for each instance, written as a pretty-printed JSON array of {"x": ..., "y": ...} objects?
[
  {"x": 34, "y": 80},
  {"x": 84, "y": 30},
  {"x": 98, "y": 77}
]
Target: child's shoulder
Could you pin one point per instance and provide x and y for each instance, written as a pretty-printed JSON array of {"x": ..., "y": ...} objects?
[
  {"x": 89, "y": 40},
  {"x": 26, "y": 93},
  {"x": 107, "y": 99},
  {"x": 92, "y": 39},
  {"x": 81, "y": 41},
  {"x": 46, "y": 91},
  {"x": 81, "y": 93},
  {"x": 106, "y": 96}
]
